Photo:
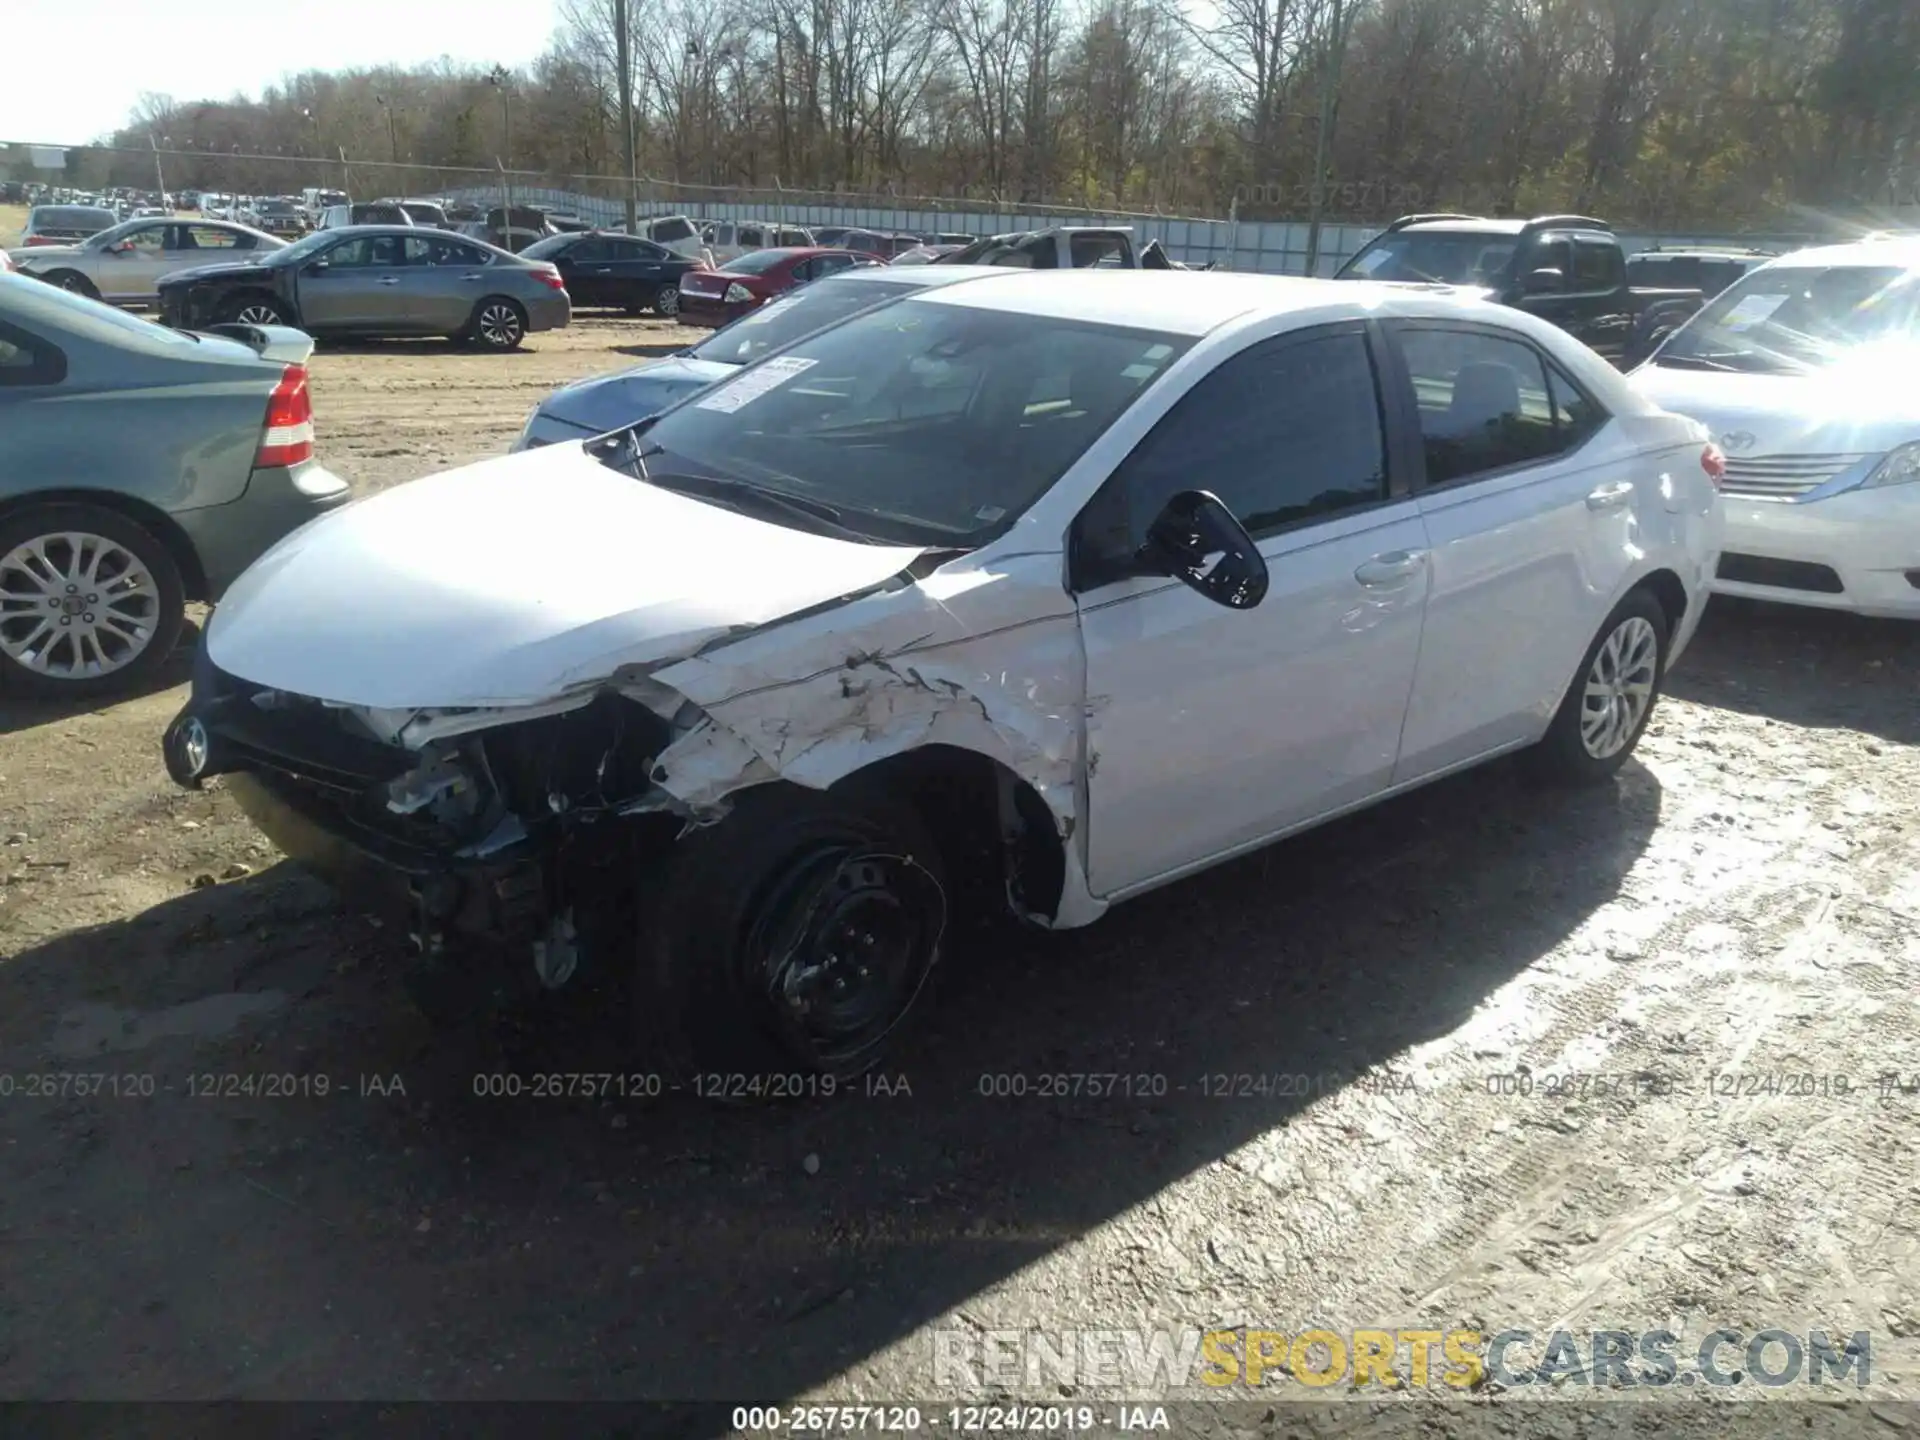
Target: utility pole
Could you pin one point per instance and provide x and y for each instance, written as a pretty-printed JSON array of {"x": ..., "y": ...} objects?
[
  {"x": 393, "y": 139},
  {"x": 623, "y": 62},
  {"x": 158, "y": 179},
  {"x": 499, "y": 77}
]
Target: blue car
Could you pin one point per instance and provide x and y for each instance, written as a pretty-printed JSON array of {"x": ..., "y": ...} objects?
[{"x": 608, "y": 402}]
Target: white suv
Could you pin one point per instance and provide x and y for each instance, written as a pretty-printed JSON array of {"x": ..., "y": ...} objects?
[{"x": 1042, "y": 590}]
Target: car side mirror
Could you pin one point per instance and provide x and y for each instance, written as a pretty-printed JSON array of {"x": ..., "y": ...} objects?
[
  {"x": 1547, "y": 280},
  {"x": 1199, "y": 542}
]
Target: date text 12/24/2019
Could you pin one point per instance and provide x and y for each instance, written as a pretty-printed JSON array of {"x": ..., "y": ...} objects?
[{"x": 951, "y": 1419}]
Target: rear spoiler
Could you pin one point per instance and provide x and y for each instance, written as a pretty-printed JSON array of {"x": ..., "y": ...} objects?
[{"x": 281, "y": 344}]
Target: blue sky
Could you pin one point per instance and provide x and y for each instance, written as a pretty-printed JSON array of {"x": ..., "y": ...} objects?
[{"x": 77, "y": 66}]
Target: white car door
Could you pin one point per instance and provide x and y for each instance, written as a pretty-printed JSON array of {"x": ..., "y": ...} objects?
[
  {"x": 1529, "y": 512},
  {"x": 1210, "y": 729},
  {"x": 131, "y": 269}
]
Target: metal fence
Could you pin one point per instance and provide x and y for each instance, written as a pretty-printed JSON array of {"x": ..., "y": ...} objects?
[
  {"x": 1275, "y": 247},
  {"x": 1269, "y": 247}
]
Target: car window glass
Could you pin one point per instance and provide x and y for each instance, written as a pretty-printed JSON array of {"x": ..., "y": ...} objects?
[
  {"x": 668, "y": 231},
  {"x": 1285, "y": 432},
  {"x": 149, "y": 240},
  {"x": 451, "y": 252},
  {"x": 416, "y": 250},
  {"x": 1576, "y": 414},
  {"x": 1096, "y": 252},
  {"x": 364, "y": 251},
  {"x": 1552, "y": 255},
  {"x": 1483, "y": 403},
  {"x": 750, "y": 235},
  {"x": 589, "y": 252},
  {"x": 828, "y": 264},
  {"x": 209, "y": 237},
  {"x": 27, "y": 360},
  {"x": 1596, "y": 265}
]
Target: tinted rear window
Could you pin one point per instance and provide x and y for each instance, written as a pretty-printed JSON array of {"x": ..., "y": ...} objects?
[
  {"x": 758, "y": 263},
  {"x": 667, "y": 231},
  {"x": 70, "y": 217}
]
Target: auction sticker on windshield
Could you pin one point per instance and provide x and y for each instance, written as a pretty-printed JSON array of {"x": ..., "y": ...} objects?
[
  {"x": 768, "y": 375},
  {"x": 1751, "y": 310}
]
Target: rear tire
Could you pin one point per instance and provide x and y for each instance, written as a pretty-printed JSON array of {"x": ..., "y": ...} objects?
[
  {"x": 1613, "y": 695},
  {"x": 74, "y": 281},
  {"x": 790, "y": 940},
  {"x": 90, "y": 602},
  {"x": 666, "y": 302},
  {"x": 498, "y": 324},
  {"x": 253, "y": 310}
]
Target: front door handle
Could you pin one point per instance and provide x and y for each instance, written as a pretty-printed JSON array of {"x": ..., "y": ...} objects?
[
  {"x": 473, "y": 277},
  {"x": 1391, "y": 568},
  {"x": 1610, "y": 497},
  {"x": 389, "y": 279}
]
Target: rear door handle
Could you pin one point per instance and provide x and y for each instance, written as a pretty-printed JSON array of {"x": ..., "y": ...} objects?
[
  {"x": 473, "y": 277},
  {"x": 1610, "y": 497},
  {"x": 389, "y": 279},
  {"x": 1391, "y": 568}
]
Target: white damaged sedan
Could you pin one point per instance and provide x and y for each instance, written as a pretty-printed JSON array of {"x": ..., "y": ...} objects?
[{"x": 1035, "y": 592}]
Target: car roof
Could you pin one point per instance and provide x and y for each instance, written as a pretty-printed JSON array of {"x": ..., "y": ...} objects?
[
  {"x": 1903, "y": 251},
  {"x": 1469, "y": 227},
  {"x": 1194, "y": 302},
  {"x": 924, "y": 276}
]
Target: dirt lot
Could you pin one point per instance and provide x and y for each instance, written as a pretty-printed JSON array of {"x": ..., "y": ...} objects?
[{"x": 1743, "y": 902}]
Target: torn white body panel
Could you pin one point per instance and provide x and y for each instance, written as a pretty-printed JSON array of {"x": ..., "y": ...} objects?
[{"x": 986, "y": 660}]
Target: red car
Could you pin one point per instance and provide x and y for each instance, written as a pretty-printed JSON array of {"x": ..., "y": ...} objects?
[{"x": 723, "y": 295}]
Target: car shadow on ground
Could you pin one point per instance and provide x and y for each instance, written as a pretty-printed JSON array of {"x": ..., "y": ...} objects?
[
  {"x": 1801, "y": 666},
  {"x": 375, "y": 1243},
  {"x": 18, "y": 712}
]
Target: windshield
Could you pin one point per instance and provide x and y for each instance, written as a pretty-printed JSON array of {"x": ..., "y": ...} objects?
[
  {"x": 786, "y": 320},
  {"x": 299, "y": 250},
  {"x": 1432, "y": 259},
  {"x": 1797, "y": 318},
  {"x": 756, "y": 262},
  {"x": 918, "y": 423},
  {"x": 274, "y": 207}
]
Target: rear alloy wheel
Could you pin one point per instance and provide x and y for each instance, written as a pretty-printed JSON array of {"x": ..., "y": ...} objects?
[
  {"x": 1607, "y": 707},
  {"x": 89, "y": 601},
  {"x": 666, "y": 302},
  {"x": 74, "y": 281},
  {"x": 498, "y": 324},
  {"x": 255, "y": 310}
]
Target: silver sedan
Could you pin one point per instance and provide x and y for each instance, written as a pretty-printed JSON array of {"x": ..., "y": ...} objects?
[{"x": 125, "y": 264}]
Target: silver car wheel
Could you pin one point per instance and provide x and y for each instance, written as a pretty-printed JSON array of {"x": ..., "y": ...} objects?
[
  {"x": 257, "y": 314},
  {"x": 1619, "y": 687},
  {"x": 76, "y": 605},
  {"x": 667, "y": 302},
  {"x": 72, "y": 281},
  {"x": 499, "y": 326}
]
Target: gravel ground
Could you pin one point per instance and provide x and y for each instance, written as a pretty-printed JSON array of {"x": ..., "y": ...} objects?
[{"x": 1742, "y": 902}]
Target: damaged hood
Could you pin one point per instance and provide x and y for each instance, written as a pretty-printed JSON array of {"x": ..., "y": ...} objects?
[{"x": 513, "y": 580}]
